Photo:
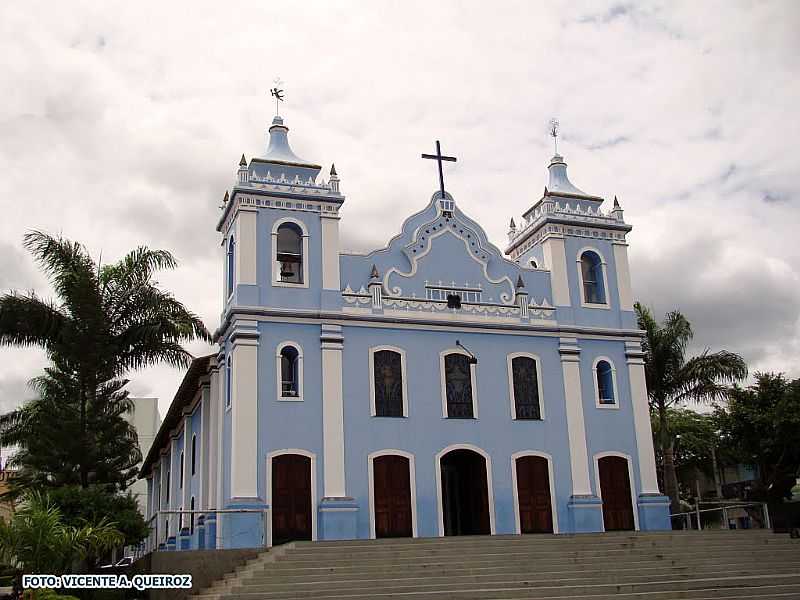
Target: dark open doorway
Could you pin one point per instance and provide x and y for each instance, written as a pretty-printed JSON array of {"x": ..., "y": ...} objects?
[{"x": 465, "y": 495}]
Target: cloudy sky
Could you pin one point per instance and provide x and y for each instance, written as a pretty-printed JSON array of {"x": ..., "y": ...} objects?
[{"x": 121, "y": 123}]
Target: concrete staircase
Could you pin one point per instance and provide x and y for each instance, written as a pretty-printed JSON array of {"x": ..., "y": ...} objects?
[{"x": 654, "y": 566}]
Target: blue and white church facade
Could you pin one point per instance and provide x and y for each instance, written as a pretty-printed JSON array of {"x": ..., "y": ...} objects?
[{"x": 437, "y": 386}]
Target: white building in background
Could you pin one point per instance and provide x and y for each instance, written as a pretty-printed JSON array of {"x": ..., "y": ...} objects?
[{"x": 146, "y": 419}]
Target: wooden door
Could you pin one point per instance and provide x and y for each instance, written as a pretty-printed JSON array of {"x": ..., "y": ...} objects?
[
  {"x": 291, "y": 498},
  {"x": 392, "y": 496},
  {"x": 533, "y": 493},
  {"x": 615, "y": 489}
]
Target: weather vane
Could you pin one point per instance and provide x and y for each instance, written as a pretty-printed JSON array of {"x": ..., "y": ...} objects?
[
  {"x": 554, "y": 133},
  {"x": 277, "y": 93}
]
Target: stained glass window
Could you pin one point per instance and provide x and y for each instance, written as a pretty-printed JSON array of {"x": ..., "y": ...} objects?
[
  {"x": 458, "y": 386},
  {"x": 526, "y": 388},
  {"x": 388, "y": 369}
]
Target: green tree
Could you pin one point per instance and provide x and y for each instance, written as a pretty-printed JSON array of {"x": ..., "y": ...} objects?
[
  {"x": 36, "y": 539},
  {"x": 107, "y": 321},
  {"x": 47, "y": 434},
  {"x": 764, "y": 422},
  {"x": 674, "y": 380}
]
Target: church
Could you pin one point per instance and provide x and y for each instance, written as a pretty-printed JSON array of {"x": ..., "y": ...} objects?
[{"x": 437, "y": 386}]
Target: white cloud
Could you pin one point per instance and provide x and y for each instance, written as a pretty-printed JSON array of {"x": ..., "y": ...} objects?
[{"x": 122, "y": 124}]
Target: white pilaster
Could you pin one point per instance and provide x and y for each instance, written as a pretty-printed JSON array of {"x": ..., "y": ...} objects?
[
  {"x": 623, "y": 276},
  {"x": 186, "y": 492},
  {"x": 244, "y": 418},
  {"x": 641, "y": 418},
  {"x": 330, "y": 252},
  {"x": 332, "y": 411},
  {"x": 219, "y": 451},
  {"x": 555, "y": 259},
  {"x": 576, "y": 428},
  {"x": 246, "y": 246}
]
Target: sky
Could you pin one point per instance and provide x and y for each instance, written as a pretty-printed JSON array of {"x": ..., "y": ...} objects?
[{"x": 122, "y": 124}]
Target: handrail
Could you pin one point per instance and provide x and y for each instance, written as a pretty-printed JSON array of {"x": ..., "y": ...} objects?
[{"x": 725, "y": 508}]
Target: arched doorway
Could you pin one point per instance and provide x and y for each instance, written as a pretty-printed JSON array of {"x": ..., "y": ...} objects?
[
  {"x": 465, "y": 494},
  {"x": 534, "y": 495},
  {"x": 392, "y": 496},
  {"x": 615, "y": 490},
  {"x": 291, "y": 498}
]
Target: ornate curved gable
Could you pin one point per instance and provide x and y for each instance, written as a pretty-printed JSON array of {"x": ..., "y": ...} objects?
[{"x": 438, "y": 254}]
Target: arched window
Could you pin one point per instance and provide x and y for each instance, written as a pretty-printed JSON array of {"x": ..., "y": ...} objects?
[
  {"x": 180, "y": 475},
  {"x": 525, "y": 388},
  {"x": 191, "y": 516},
  {"x": 228, "y": 385},
  {"x": 592, "y": 276},
  {"x": 388, "y": 385},
  {"x": 290, "y": 253},
  {"x": 458, "y": 386},
  {"x": 231, "y": 262},
  {"x": 604, "y": 378},
  {"x": 194, "y": 454},
  {"x": 289, "y": 358},
  {"x": 166, "y": 494}
]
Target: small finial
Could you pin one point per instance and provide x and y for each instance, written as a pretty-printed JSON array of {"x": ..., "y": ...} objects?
[
  {"x": 554, "y": 125},
  {"x": 513, "y": 225},
  {"x": 545, "y": 190},
  {"x": 226, "y": 197},
  {"x": 243, "y": 162},
  {"x": 333, "y": 169},
  {"x": 520, "y": 283},
  {"x": 616, "y": 202},
  {"x": 374, "y": 273}
]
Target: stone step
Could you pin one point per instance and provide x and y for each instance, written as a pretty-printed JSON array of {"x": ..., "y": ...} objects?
[
  {"x": 271, "y": 591},
  {"x": 510, "y": 591},
  {"x": 530, "y": 546},
  {"x": 611, "y": 536},
  {"x": 504, "y": 574},
  {"x": 498, "y": 554}
]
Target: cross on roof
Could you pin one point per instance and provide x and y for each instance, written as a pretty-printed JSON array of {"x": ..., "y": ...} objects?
[{"x": 438, "y": 157}]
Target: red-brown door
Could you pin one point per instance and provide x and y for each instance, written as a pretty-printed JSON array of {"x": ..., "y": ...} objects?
[
  {"x": 533, "y": 492},
  {"x": 615, "y": 489},
  {"x": 291, "y": 498},
  {"x": 392, "y": 489}
]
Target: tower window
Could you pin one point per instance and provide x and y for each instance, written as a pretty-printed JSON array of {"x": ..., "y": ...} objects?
[
  {"x": 290, "y": 372},
  {"x": 592, "y": 276},
  {"x": 180, "y": 475},
  {"x": 290, "y": 253},
  {"x": 231, "y": 263},
  {"x": 604, "y": 379},
  {"x": 194, "y": 454}
]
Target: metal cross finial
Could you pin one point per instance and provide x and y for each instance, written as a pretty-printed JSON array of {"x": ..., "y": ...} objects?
[
  {"x": 438, "y": 157},
  {"x": 554, "y": 124},
  {"x": 277, "y": 93}
]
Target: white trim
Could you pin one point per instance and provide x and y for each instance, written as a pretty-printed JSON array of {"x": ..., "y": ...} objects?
[
  {"x": 603, "y": 269},
  {"x": 555, "y": 259},
  {"x": 372, "y": 408},
  {"x": 412, "y": 478},
  {"x": 515, "y": 491},
  {"x": 597, "y": 402},
  {"x": 268, "y": 491},
  {"x": 623, "y": 275},
  {"x": 276, "y": 275},
  {"x": 509, "y": 360},
  {"x": 443, "y": 382},
  {"x": 631, "y": 481},
  {"x": 279, "y": 375},
  {"x": 489, "y": 486}
]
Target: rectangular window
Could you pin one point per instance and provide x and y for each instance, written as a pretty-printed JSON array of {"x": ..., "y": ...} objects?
[
  {"x": 458, "y": 386},
  {"x": 526, "y": 388}
]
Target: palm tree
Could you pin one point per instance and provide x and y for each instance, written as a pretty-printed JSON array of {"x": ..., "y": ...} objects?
[
  {"x": 673, "y": 380},
  {"x": 36, "y": 540},
  {"x": 108, "y": 320}
]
